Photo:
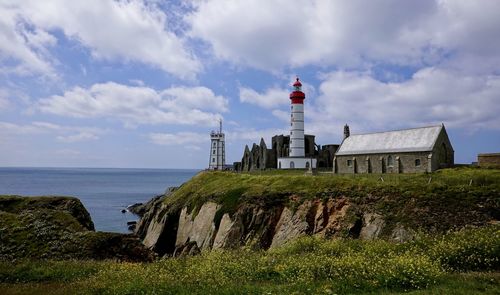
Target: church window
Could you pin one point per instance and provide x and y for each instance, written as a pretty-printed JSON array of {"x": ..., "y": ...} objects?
[
  {"x": 390, "y": 161},
  {"x": 417, "y": 162},
  {"x": 349, "y": 163},
  {"x": 213, "y": 152},
  {"x": 213, "y": 160},
  {"x": 292, "y": 165},
  {"x": 214, "y": 143},
  {"x": 307, "y": 165}
]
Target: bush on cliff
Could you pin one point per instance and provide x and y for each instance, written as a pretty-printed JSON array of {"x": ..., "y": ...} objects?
[{"x": 59, "y": 228}]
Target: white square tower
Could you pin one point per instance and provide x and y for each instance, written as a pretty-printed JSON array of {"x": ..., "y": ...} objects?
[{"x": 217, "y": 150}]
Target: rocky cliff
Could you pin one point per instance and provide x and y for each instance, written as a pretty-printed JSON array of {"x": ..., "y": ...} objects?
[
  {"x": 59, "y": 228},
  {"x": 226, "y": 210}
]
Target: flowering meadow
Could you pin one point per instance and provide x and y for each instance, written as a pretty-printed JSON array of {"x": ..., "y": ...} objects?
[{"x": 462, "y": 262}]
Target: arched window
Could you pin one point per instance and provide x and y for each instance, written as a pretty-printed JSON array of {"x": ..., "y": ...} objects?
[
  {"x": 307, "y": 165},
  {"x": 214, "y": 143},
  {"x": 390, "y": 161},
  {"x": 292, "y": 165},
  {"x": 417, "y": 162}
]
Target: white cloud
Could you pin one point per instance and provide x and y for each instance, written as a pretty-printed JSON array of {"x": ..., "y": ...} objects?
[
  {"x": 25, "y": 46},
  {"x": 272, "y": 34},
  {"x": 138, "y": 105},
  {"x": 282, "y": 115},
  {"x": 431, "y": 96},
  {"x": 181, "y": 138},
  {"x": 67, "y": 134},
  {"x": 273, "y": 97},
  {"x": 4, "y": 102},
  {"x": 193, "y": 97},
  {"x": 254, "y": 135},
  {"x": 82, "y": 136},
  {"x": 112, "y": 30}
]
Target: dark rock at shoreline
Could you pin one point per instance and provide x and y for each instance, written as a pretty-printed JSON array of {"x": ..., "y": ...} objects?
[{"x": 140, "y": 209}]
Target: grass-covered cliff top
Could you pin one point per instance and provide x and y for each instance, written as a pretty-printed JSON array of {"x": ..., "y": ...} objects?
[{"x": 468, "y": 194}]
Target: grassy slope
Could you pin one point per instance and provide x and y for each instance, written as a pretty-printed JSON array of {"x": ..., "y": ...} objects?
[
  {"x": 438, "y": 201},
  {"x": 430, "y": 265}
]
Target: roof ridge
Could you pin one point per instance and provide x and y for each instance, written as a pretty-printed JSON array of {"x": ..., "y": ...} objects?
[{"x": 387, "y": 131}]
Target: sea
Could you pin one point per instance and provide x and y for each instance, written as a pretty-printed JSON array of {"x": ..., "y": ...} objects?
[{"x": 105, "y": 192}]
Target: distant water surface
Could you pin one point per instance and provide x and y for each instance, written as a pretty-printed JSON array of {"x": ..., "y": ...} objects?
[{"x": 104, "y": 192}]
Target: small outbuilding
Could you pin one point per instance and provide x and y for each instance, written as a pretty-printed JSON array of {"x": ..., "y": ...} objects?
[
  {"x": 423, "y": 149},
  {"x": 491, "y": 160}
]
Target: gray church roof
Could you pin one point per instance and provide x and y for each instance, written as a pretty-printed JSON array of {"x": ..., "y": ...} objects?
[{"x": 408, "y": 140}]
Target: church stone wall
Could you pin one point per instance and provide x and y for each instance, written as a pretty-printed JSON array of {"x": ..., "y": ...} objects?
[
  {"x": 443, "y": 155},
  {"x": 379, "y": 163}
]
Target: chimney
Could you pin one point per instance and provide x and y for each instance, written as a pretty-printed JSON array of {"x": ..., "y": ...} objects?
[{"x": 347, "y": 133}]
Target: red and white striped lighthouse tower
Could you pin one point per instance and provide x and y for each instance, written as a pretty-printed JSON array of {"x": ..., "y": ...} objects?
[
  {"x": 297, "y": 121},
  {"x": 297, "y": 157}
]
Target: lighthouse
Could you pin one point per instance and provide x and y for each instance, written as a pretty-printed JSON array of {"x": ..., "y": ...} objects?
[
  {"x": 296, "y": 158},
  {"x": 297, "y": 120}
]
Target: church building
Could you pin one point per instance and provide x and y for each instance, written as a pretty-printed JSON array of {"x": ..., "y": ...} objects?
[{"x": 423, "y": 149}]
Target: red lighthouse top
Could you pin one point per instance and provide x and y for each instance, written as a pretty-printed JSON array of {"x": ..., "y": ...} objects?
[{"x": 297, "y": 96}]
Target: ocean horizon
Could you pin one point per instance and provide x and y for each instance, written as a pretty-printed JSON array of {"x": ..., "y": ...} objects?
[{"x": 103, "y": 191}]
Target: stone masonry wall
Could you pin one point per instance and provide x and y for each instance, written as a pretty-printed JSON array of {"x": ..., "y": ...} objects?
[
  {"x": 489, "y": 160},
  {"x": 378, "y": 163}
]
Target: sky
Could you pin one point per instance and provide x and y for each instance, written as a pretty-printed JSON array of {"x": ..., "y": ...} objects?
[{"x": 141, "y": 83}]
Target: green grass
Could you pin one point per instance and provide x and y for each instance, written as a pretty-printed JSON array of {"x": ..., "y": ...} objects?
[
  {"x": 439, "y": 201},
  {"x": 309, "y": 265}
]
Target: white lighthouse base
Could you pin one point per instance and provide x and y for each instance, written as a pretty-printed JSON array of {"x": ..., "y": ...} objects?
[{"x": 296, "y": 163}]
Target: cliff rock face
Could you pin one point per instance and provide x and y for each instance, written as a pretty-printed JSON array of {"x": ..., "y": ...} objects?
[
  {"x": 184, "y": 232},
  {"x": 217, "y": 210},
  {"x": 199, "y": 229}
]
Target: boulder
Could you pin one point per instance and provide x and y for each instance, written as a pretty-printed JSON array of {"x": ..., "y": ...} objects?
[{"x": 373, "y": 224}]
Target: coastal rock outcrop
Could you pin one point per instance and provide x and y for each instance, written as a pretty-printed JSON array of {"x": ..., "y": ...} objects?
[
  {"x": 217, "y": 210},
  {"x": 59, "y": 228},
  {"x": 177, "y": 233}
]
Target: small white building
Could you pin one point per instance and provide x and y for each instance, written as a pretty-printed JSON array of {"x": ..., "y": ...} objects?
[
  {"x": 217, "y": 150},
  {"x": 297, "y": 159}
]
